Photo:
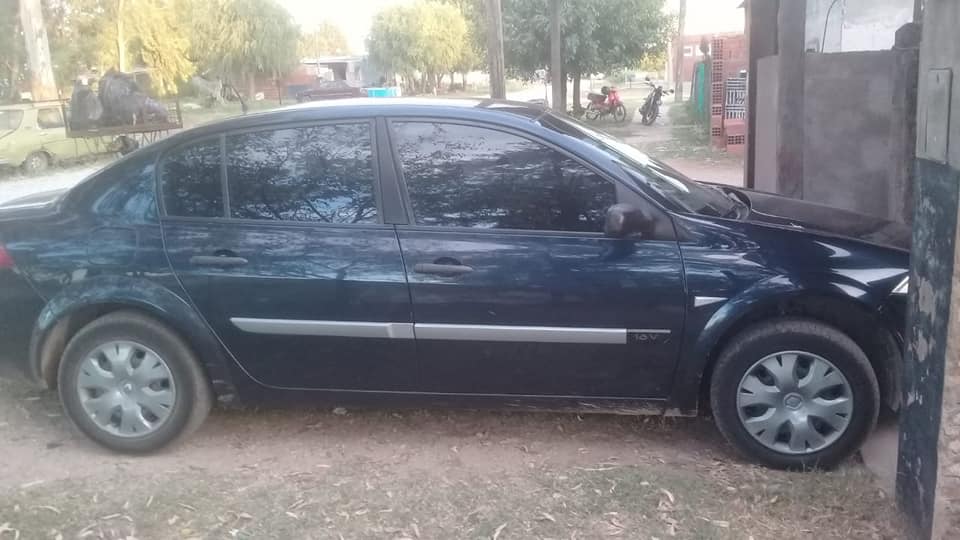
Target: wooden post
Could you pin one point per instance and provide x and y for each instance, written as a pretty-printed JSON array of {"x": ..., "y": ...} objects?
[
  {"x": 791, "y": 23},
  {"x": 498, "y": 85},
  {"x": 42, "y": 85},
  {"x": 557, "y": 78},
  {"x": 678, "y": 54}
]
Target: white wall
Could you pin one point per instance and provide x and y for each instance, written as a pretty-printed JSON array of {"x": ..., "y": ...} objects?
[{"x": 855, "y": 25}]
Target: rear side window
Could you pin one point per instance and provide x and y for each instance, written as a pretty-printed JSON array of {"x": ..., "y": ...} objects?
[
  {"x": 191, "y": 180},
  {"x": 10, "y": 120},
  {"x": 468, "y": 176},
  {"x": 49, "y": 118},
  {"x": 320, "y": 174}
]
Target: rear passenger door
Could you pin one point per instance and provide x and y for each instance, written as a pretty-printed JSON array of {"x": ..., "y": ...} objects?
[{"x": 276, "y": 234}]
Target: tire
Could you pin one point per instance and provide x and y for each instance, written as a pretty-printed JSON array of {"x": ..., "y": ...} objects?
[
  {"x": 36, "y": 163},
  {"x": 188, "y": 403},
  {"x": 591, "y": 113},
  {"x": 650, "y": 116},
  {"x": 854, "y": 400},
  {"x": 620, "y": 113}
]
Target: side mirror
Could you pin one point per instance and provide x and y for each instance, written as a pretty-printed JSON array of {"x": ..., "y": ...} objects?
[{"x": 625, "y": 219}]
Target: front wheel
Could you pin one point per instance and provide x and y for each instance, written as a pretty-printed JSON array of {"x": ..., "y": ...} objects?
[
  {"x": 794, "y": 394},
  {"x": 591, "y": 113},
  {"x": 620, "y": 113},
  {"x": 650, "y": 115},
  {"x": 36, "y": 163},
  {"x": 132, "y": 384}
]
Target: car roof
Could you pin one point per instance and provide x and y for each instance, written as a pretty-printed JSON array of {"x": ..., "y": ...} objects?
[{"x": 464, "y": 108}]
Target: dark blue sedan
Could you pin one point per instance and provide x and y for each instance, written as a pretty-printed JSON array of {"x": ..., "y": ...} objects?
[{"x": 480, "y": 253}]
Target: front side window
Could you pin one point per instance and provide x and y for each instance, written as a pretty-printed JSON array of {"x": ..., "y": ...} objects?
[
  {"x": 320, "y": 174},
  {"x": 191, "y": 180},
  {"x": 467, "y": 176},
  {"x": 49, "y": 118}
]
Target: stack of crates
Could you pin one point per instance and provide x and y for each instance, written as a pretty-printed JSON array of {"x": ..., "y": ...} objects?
[
  {"x": 734, "y": 117},
  {"x": 717, "y": 138}
]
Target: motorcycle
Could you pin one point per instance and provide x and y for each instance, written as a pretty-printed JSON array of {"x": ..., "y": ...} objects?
[
  {"x": 650, "y": 110},
  {"x": 607, "y": 102}
]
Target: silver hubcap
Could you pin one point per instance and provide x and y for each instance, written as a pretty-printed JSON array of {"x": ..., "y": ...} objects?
[
  {"x": 795, "y": 402},
  {"x": 126, "y": 389}
]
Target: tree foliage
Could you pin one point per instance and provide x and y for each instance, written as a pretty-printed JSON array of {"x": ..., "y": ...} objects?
[
  {"x": 325, "y": 39},
  {"x": 234, "y": 39},
  {"x": 12, "y": 52},
  {"x": 94, "y": 33},
  {"x": 426, "y": 38},
  {"x": 598, "y": 35}
]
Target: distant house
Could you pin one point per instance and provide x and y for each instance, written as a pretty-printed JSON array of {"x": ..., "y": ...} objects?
[{"x": 310, "y": 71}]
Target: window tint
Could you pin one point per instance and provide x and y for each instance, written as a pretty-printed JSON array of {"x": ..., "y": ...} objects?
[
  {"x": 320, "y": 173},
  {"x": 191, "y": 180},
  {"x": 49, "y": 118},
  {"x": 475, "y": 177}
]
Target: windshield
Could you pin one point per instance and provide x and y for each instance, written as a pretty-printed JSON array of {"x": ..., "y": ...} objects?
[
  {"x": 665, "y": 181},
  {"x": 10, "y": 120}
]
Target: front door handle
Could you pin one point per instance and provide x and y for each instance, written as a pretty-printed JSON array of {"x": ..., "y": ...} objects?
[
  {"x": 442, "y": 269},
  {"x": 217, "y": 260}
]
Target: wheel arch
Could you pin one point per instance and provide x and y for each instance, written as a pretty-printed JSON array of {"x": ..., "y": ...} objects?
[
  {"x": 845, "y": 309},
  {"x": 74, "y": 307}
]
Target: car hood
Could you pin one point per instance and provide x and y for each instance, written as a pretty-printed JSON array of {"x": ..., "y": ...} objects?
[{"x": 783, "y": 211}]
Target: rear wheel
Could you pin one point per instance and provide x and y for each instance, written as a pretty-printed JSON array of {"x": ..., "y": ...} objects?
[
  {"x": 131, "y": 384},
  {"x": 36, "y": 163},
  {"x": 794, "y": 394}
]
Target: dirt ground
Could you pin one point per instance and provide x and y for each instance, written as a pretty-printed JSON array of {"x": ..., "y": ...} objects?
[{"x": 439, "y": 474}]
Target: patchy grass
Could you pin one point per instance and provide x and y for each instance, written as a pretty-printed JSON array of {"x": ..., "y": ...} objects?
[{"x": 360, "y": 499}]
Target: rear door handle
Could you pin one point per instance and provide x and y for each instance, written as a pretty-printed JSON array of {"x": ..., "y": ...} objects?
[
  {"x": 217, "y": 260},
  {"x": 442, "y": 269}
]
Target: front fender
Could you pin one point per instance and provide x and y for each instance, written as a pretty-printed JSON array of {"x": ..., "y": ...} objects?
[
  {"x": 97, "y": 294},
  {"x": 707, "y": 326}
]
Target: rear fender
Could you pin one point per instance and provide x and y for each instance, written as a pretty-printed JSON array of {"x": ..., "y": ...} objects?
[{"x": 75, "y": 305}]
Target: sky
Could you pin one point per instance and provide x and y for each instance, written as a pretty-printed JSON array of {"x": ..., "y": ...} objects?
[{"x": 354, "y": 16}]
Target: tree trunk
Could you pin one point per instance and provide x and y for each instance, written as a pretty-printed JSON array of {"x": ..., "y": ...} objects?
[
  {"x": 678, "y": 64},
  {"x": 464, "y": 75},
  {"x": 498, "y": 85},
  {"x": 576, "y": 91},
  {"x": 121, "y": 40},
  {"x": 563, "y": 91},
  {"x": 251, "y": 86},
  {"x": 42, "y": 84},
  {"x": 452, "y": 82}
]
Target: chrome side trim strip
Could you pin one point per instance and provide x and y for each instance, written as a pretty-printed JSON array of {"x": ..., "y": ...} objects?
[
  {"x": 293, "y": 327},
  {"x": 455, "y": 332},
  {"x": 699, "y": 301},
  {"x": 532, "y": 334}
]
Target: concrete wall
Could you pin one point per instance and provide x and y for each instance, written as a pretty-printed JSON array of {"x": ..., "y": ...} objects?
[
  {"x": 765, "y": 142},
  {"x": 850, "y": 159},
  {"x": 856, "y": 119},
  {"x": 855, "y": 25}
]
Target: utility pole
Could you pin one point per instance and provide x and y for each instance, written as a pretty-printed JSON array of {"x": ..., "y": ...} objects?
[
  {"x": 498, "y": 85},
  {"x": 557, "y": 80},
  {"x": 42, "y": 85},
  {"x": 678, "y": 54}
]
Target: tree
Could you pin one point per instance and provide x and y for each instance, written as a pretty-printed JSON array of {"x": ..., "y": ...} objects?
[
  {"x": 475, "y": 48},
  {"x": 42, "y": 84},
  {"x": 326, "y": 39},
  {"x": 240, "y": 39},
  {"x": 425, "y": 39},
  {"x": 12, "y": 51},
  {"x": 598, "y": 36},
  {"x": 121, "y": 34}
]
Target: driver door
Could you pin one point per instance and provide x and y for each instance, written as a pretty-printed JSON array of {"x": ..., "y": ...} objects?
[{"x": 515, "y": 289}]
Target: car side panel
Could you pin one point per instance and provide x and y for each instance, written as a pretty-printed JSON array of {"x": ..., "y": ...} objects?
[{"x": 732, "y": 268}]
